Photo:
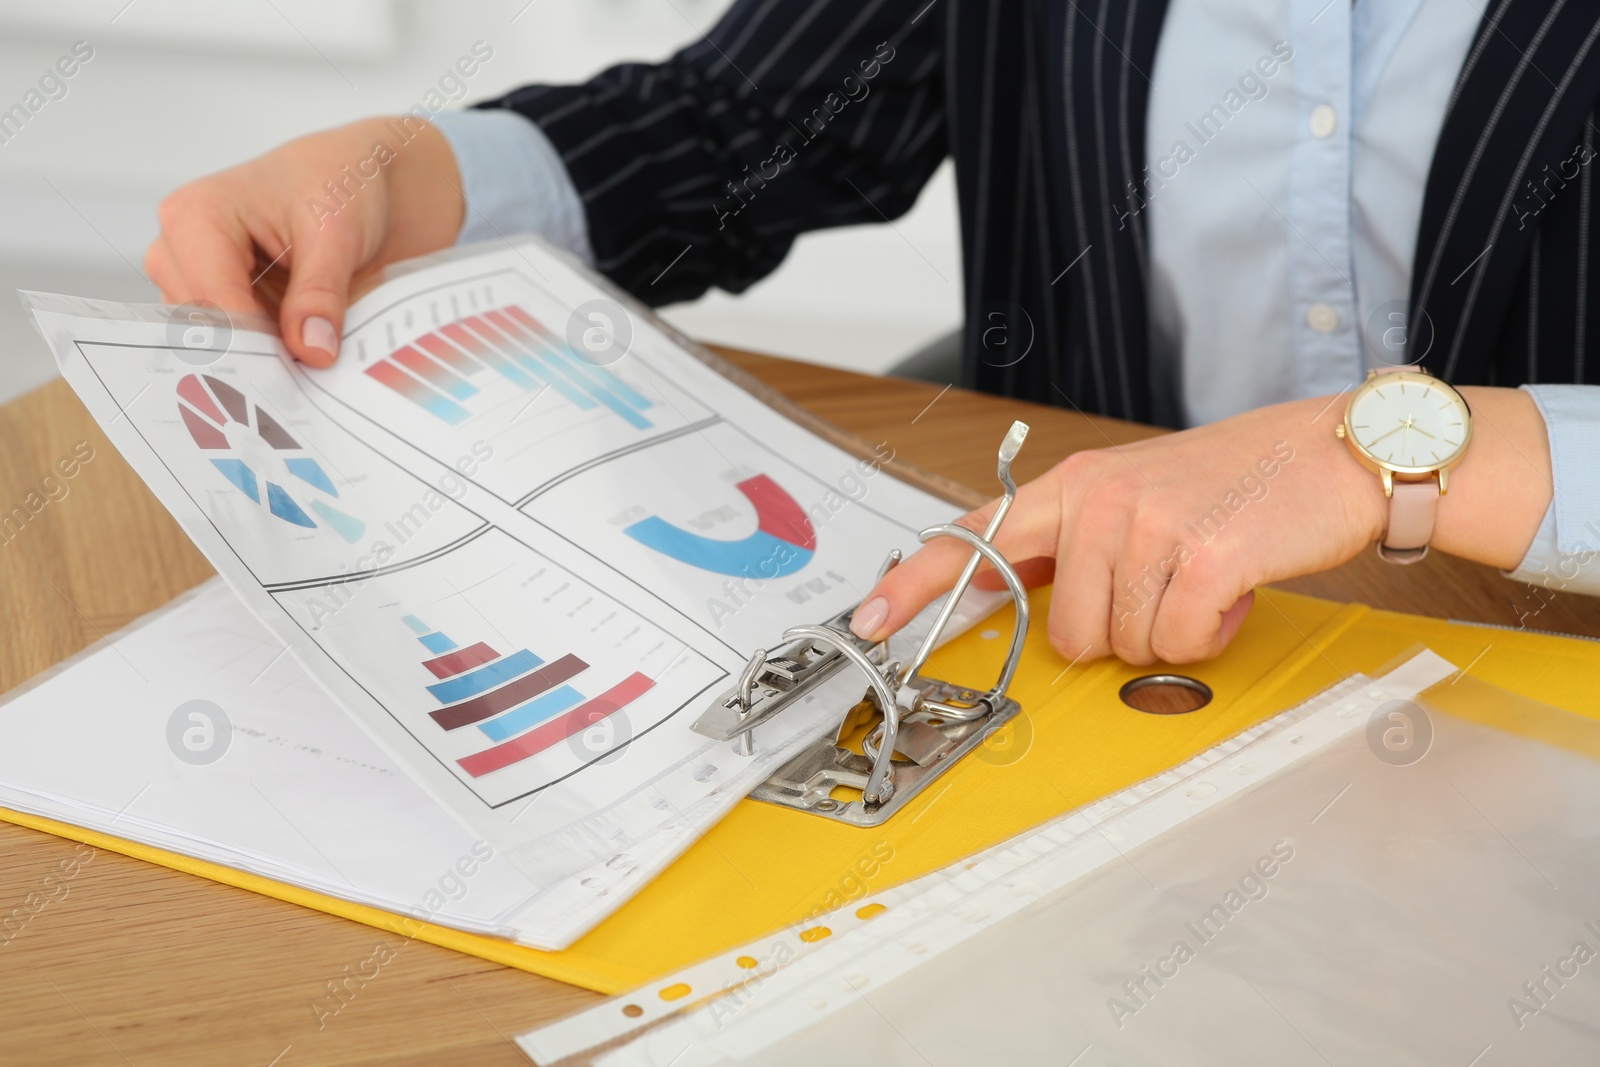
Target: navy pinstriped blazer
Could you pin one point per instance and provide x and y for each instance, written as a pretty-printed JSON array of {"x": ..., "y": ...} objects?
[{"x": 793, "y": 115}]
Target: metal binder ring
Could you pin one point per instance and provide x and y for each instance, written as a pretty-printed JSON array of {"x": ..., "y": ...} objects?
[
  {"x": 1019, "y": 596},
  {"x": 879, "y": 784}
]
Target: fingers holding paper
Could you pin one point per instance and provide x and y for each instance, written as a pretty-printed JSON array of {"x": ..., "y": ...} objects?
[{"x": 290, "y": 232}]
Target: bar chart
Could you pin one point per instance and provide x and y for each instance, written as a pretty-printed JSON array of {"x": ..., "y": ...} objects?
[
  {"x": 436, "y": 371},
  {"x": 515, "y": 674},
  {"x": 487, "y": 362},
  {"x": 519, "y": 701}
]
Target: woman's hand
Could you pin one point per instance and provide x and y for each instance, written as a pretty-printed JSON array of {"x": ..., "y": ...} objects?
[
  {"x": 321, "y": 210},
  {"x": 1156, "y": 546}
]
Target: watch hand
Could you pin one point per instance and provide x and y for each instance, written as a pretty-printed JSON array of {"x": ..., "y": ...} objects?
[
  {"x": 1424, "y": 433},
  {"x": 1381, "y": 436}
]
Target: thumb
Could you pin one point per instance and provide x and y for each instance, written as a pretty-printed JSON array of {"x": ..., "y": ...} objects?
[{"x": 312, "y": 314}]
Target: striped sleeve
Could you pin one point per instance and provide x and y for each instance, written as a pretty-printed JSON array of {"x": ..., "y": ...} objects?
[{"x": 788, "y": 116}]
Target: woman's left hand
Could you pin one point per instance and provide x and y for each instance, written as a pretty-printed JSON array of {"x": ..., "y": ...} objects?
[{"x": 1155, "y": 546}]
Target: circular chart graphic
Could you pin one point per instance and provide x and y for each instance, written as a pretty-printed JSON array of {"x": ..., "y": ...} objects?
[
  {"x": 221, "y": 420},
  {"x": 783, "y": 542}
]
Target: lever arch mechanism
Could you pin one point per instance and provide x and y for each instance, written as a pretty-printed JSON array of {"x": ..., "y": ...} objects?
[{"x": 916, "y": 727}]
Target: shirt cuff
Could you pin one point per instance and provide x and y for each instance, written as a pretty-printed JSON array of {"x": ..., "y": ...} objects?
[
  {"x": 513, "y": 180},
  {"x": 1563, "y": 553}
]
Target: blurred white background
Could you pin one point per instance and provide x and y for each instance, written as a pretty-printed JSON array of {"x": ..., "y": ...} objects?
[{"x": 179, "y": 88}]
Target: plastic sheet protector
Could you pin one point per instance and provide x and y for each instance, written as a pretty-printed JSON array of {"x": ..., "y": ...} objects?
[
  {"x": 1401, "y": 870},
  {"x": 520, "y": 533}
]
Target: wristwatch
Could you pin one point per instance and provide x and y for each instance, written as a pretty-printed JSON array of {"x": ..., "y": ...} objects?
[{"x": 1409, "y": 428}]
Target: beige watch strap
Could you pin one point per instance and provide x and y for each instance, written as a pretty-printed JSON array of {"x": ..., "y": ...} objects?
[
  {"x": 1411, "y": 512},
  {"x": 1412, "y": 507}
]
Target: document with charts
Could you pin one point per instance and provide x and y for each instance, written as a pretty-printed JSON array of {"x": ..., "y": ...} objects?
[{"x": 520, "y": 532}]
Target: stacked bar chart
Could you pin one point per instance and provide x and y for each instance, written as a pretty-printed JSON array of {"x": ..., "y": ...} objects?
[
  {"x": 444, "y": 371},
  {"x": 519, "y": 701}
]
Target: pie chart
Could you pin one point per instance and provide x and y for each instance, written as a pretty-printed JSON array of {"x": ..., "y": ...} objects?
[
  {"x": 783, "y": 542},
  {"x": 250, "y": 448}
]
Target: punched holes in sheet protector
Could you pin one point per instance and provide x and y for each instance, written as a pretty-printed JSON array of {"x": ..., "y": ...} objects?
[{"x": 1165, "y": 694}]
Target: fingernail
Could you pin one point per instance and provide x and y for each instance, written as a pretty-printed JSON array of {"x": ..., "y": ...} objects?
[
  {"x": 318, "y": 332},
  {"x": 869, "y": 618}
]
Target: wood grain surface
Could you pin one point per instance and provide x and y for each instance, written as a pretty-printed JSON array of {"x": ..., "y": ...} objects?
[{"x": 128, "y": 963}]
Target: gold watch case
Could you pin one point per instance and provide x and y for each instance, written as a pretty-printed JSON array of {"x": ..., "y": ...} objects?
[{"x": 1385, "y": 469}]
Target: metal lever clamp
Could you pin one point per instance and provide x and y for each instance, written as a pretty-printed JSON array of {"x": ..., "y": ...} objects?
[{"x": 932, "y": 723}]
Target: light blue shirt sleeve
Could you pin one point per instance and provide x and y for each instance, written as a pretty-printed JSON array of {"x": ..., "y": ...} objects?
[
  {"x": 1565, "y": 554},
  {"x": 513, "y": 180}
]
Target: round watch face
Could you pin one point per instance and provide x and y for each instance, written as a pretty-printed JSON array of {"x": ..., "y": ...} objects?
[{"x": 1409, "y": 422}]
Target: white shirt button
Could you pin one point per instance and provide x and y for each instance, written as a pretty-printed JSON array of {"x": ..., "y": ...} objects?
[
  {"x": 1322, "y": 318},
  {"x": 1324, "y": 120}
]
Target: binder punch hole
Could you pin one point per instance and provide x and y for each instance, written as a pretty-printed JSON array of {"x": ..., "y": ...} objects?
[
  {"x": 907, "y": 729},
  {"x": 1165, "y": 694}
]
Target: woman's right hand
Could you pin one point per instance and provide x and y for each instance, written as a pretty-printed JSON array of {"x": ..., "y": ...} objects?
[{"x": 322, "y": 210}]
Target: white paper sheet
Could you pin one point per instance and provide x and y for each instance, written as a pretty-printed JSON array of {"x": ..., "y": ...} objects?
[
  {"x": 298, "y": 791},
  {"x": 522, "y": 572}
]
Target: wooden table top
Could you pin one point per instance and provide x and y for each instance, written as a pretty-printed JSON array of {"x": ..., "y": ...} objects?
[{"x": 129, "y": 963}]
